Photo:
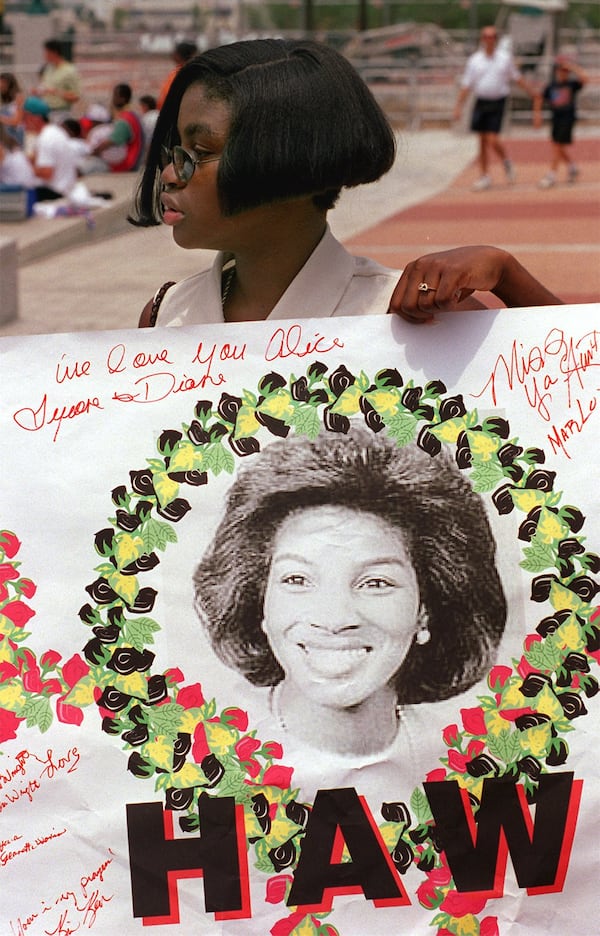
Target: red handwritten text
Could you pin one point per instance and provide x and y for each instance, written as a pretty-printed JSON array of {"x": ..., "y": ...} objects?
[
  {"x": 66, "y": 372},
  {"x": 115, "y": 361},
  {"x": 32, "y": 420},
  {"x": 71, "y": 910},
  {"x": 556, "y": 368},
  {"x": 291, "y": 342}
]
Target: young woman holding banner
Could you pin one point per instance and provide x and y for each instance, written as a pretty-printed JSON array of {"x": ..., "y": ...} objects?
[{"x": 251, "y": 149}]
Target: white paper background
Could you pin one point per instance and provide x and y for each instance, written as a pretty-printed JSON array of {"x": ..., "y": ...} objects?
[{"x": 55, "y": 494}]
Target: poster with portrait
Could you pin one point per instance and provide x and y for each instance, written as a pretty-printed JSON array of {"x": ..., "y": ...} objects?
[{"x": 299, "y": 628}]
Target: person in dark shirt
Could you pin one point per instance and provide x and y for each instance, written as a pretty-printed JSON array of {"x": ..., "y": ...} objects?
[{"x": 560, "y": 97}]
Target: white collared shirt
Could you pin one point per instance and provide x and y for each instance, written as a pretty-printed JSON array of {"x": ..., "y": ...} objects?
[
  {"x": 490, "y": 76},
  {"x": 331, "y": 282}
]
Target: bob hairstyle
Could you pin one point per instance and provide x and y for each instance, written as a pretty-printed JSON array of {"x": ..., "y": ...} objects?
[
  {"x": 302, "y": 123},
  {"x": 443, "y": 524}
]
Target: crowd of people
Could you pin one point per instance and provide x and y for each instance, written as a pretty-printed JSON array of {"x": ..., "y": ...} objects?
[{"x": 46, "y": 147}]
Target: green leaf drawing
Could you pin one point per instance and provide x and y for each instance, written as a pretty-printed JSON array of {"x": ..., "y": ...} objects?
[
  {"x": 157, "y": 534},
  {"x": 38, "y": 713},
  {"x": 138, "y": 631}
]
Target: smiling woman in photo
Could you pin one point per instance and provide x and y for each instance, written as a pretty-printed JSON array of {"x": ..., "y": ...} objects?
[{"x": 357, "y": 580}]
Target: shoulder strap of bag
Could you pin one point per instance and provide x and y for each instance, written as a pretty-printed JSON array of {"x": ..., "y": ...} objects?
[{"x": 150, "y": 310}]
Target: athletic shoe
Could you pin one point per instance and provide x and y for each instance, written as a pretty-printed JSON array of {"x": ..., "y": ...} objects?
[
  {"x": 548, "y": 181},
  {"x": 509, "y": 169},
  {"x": 573, "y": 172},
  {"x": 483, "y": 183}
]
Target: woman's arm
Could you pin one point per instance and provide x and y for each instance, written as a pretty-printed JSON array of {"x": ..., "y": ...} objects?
[{"x": 454, "y": 275}]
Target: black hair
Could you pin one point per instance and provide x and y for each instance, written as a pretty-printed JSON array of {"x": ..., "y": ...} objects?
[
  {"x": 148, "y": 100},
  {"x": 184, "y": 51},
  {"x": 73, "y": 127},
  {"x": 302, "y": 123},
  {"x": 443, "y": 524},
  {"x": 9, "y": 94},
  {"x": 123, "y": 91},
  {"x": 54, "y": 45}
]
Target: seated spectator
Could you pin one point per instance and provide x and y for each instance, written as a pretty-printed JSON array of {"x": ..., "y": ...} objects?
[
  {"x": 73, "y": 130},
  {"x": 15, "y": 168},
  {"x": 52, "y": 157},
  {"x": 118, "y": 146},
  {"x": 11, "y": 104},
  {"x": 59, "y": 85}
]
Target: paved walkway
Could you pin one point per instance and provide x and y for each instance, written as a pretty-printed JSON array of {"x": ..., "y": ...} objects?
[
  {"x": 75, "y": 279},
  {"x": 554, "y": 232}
]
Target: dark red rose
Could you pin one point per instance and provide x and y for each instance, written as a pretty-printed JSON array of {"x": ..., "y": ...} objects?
[
  {"x": 243, "y": 447},
  {"x": 197, "y": 434},
  {"x": 212, "y": 769},
  {"x": 179, "y": 799},
  {"x": 507, "y": 454},
  {"x": 175, "y": 511},
  {"x": 411, "y": 398},
  {"x": 402, "y": 856},
  {"x": 139, "y": 767},
  {"x": 502, "y": 499},
  {"x": 396, "y": 812},
  {"x": 144, "y": 601},
  {"x": 283, "y": 856},
  {"x": 229, "y": 406},
  {"x": 452, "y": 407},
  {"x": 271, "y": 382},
  {"x": 428, "y": 442},
  {"x": 143, "y": 564},
  {"x": 540, "y": 480},
  {"x": 142, "y": 482},
  {"x": 299, "y": 390},
  {"x": 340, "y": 380},
  {"x": 298, "y": 813},
  {"x": 316, "y": 370},
  {"x": 335, "y": 422},
  {"x": 203, "y": 409},
  {"x": 498, "y": 426},
  {"x": 372, "y": 418},
  {"x": 101, "y": 592},
  {"x": 167, "y": 441}
]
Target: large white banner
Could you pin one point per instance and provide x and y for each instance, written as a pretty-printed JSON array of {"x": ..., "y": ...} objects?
[{"x": 299, "y": 628}]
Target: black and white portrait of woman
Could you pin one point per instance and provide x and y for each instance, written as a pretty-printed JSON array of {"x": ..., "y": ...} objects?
[{"x": 354, "y": 580}]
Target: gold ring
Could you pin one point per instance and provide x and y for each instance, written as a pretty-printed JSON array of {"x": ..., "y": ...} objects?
[{"x": 425, "y": 287}]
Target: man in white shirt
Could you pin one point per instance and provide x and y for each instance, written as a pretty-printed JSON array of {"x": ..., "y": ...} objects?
[
  {"x": 488, "y": 74},
  {"x": 53, "y": 158}
]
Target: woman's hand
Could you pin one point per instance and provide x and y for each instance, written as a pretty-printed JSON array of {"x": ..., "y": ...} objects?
[{"x": 452, "y": 276}]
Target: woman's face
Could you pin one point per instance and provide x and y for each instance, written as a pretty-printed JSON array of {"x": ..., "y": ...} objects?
[
  {"x": 193, "y": 210},
  {"x": 341, "y": 604}
]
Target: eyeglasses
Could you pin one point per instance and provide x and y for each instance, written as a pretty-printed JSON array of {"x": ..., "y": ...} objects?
[{"x": 183, "y": 162}]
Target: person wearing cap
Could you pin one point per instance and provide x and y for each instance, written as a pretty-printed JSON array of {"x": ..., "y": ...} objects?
[
  {"x": 52, "y": 157},
  {"x": 560, "y": 97},
  {"x": 488, "y": 75},
  {"x": 59, "y": 84}
]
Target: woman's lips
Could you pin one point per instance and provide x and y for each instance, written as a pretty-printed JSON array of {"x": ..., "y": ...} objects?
[
  {"x": 333, "y": 661},
  {"x": 170, "y": 213},
  {"x": 333, "y": 655}
]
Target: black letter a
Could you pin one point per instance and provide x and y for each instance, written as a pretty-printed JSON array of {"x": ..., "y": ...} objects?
[{"x": 370, "y": 870}]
